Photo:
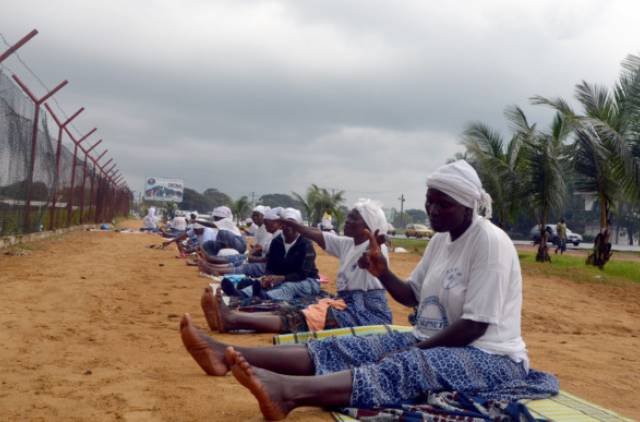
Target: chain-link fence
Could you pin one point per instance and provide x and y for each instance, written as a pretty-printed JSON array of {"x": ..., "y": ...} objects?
[{"x": 59, "y": 189}]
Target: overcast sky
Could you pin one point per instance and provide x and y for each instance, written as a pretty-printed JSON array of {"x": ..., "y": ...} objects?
[{"x": 270, "y": 96}]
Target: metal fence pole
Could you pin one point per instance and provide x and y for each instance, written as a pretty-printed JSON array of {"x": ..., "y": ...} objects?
[
  {"x": 56, "y": 177},
  {"x": 94, "y": 174},
  {"x": 84, "y": 178},
  {"x": 73, "y": 170},
  {"x": 34, "y": 138}
]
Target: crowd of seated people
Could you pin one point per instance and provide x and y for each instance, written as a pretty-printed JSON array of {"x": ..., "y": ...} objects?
[{"x": 466, "y": 290}]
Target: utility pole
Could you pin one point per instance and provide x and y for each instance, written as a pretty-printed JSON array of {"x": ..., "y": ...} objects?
[
  {"x": 402, "y": 199},
  {"x": 253, "y": 195}
]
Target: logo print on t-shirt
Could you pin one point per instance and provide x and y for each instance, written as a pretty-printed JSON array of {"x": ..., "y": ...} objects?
[{"x": 431, "y": 315}]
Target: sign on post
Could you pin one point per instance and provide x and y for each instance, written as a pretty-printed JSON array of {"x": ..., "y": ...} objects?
[{"x": 163, "y": 189}]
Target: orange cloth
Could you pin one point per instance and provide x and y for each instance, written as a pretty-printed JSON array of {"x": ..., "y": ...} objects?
[{"x": 316, "y": 314}]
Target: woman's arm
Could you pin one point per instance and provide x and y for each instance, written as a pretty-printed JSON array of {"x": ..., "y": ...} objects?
[
  {"x": 459, "y": 334},
  {"x": 374, "y": 262}
]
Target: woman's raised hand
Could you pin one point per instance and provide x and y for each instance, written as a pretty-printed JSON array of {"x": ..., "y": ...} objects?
[{"x": 372, "y": 259}]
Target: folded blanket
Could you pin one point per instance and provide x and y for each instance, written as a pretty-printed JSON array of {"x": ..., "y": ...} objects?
[{"x": 368, "y": 330}]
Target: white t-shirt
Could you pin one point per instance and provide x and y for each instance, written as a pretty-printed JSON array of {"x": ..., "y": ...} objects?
[
  {"x": 252, "y": 229},
  {"x": 477, "y": 277},
  {"x": 288, "y": 246},
  {"x": 350, "y": 276},
  {"x": 207, "y": 234},
  {"x": 179, "y": 223},
  {"x": 263, "y": 238},
  {"x": 228, "y": 224}
]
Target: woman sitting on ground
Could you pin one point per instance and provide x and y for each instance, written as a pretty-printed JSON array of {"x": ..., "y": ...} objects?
[
  {"x": 362, "y": 299},
  {"x": 150, "y": 221},
  {"x": 468, "y": 287},
  {"x": 228, "y": 237},
  {"x": 256, "y": 265}
]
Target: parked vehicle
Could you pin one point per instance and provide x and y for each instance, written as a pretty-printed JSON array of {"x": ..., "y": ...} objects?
[
  {"x": 418, "y": 231},
  {"x": 572, "y": 237},
  {"x": 391, "y": 231}
]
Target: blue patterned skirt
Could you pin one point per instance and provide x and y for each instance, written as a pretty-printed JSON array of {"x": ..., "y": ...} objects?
[
  {"x": 388, "y": 370},
  {"x": 363, "y": 308}
]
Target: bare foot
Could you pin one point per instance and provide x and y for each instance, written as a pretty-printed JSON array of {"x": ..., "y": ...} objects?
[
  {"x": 223, "y": 313},
  {"x": 206, "y": 302},
  {"x": 265, "y": 385},
  {"x": 207, "y": 353}
]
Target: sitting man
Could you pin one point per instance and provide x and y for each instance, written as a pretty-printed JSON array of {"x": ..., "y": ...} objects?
[
  {"x": 256, "y": 265},
  {"x": 260, "y": 232},
  {"x": 229, "y": 236},
  {"x": 201, "y": 233},
  {"x": 468, "y": 289},
  {"x": 291, "y": 272},
  {"x": 176, "y": 227},
  {"x": 361, "y": 296}
]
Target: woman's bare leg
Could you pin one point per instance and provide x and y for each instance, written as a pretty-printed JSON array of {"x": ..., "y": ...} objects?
[
  {"x": 279, "y": 394},
  {"x": 228, "y": 319},
  {"x": 209, "y": 353}
]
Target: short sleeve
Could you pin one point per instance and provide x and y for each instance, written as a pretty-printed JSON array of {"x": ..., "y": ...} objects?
[
  {"x": 336, "y": 245},
  {"x": 489, "y": 277}
]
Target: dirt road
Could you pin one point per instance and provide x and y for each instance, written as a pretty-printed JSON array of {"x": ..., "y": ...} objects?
[{"x": 88, "y": 331}]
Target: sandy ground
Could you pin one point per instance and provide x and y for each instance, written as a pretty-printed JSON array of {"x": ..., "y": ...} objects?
[{"x": 88, "y": 331}]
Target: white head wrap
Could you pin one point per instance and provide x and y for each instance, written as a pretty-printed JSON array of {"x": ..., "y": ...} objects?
[
  {"x": 222, "y": 212},
  {"x": 291, "y": 213},
  {"x": 260, "y": 209},
  {"x": 461, "y": 182},
  {"x": 272, "y": 213},
  {"x": 372, "y": 214}
]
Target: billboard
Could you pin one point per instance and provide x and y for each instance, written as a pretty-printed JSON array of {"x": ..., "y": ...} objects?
[{"x": 163, "y": 189}]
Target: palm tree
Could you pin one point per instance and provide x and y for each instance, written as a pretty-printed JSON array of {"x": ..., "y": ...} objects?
[
  {"x": 499, "y": 168},
  {"x": 606, "y": 156},
  {"x": 544, "y": 180},
  {"x": 240, "y": 208},
  {"x": 318, "y": 201},
  {"x": 527, "y": 172}
]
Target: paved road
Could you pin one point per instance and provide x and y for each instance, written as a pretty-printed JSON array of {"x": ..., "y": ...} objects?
[
  {"x": 581, "y": 246},
  {"x": 587, "y": 246}
]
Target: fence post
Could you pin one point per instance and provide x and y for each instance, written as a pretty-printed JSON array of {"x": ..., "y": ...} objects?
[
  {"x": 34, "y": 138},
  {"x": 73, "y": 170},
  {"x": 56, "y": 178},
  {"x": 94, "y": 173},
  {"x": 84, "y": 178}
]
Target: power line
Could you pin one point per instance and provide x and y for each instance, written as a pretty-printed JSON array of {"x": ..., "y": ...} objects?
[{"x": 37, "y": 78}]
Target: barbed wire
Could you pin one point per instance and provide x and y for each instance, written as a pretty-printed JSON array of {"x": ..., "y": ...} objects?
[{"x": 39, "y": 80}]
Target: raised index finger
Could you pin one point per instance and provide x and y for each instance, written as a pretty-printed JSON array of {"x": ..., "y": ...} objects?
[{"x": 374, "y": 246}]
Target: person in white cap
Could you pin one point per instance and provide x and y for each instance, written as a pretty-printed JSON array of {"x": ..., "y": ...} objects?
[
  {"x": 229, "y": 237},
  {"x": 197, "y": 231},
  {"x": 260, "y": 232},
  {"x": 468, "y": 289},
  {"x": 257, "y": 265}
]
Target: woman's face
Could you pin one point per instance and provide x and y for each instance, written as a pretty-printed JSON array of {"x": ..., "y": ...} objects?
[
  {"x": 272, "y": 226},
  {"x": 445, "y": 213},
  {"x": 355, "y": 225}
]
